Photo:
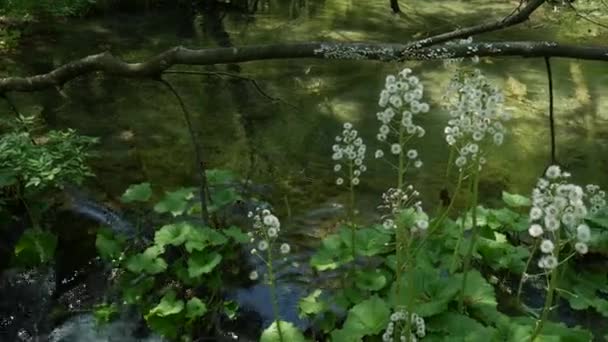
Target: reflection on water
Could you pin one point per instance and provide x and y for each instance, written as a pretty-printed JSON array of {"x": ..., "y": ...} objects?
[{"x": 288, "y": 142}]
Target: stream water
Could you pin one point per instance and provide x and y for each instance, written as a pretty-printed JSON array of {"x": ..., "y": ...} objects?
[{"x": 287, "y": 142}]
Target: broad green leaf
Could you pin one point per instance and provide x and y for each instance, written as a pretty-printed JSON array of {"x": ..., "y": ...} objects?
[
  {"x": 311, "y": 305},
  {"x": 478, "y": 292},
  {"x": 236, "y": 234},
  {"x": 104, "y": 313},
  {"x": 514, "y": 200},
  {"x": 218, "y": 176},
  {"x": 370, "y": 241},
  {"x": 175, "y": 202},
  {"x": 459, "y": 327},
  {"x": 195, "y": 308},
  {"x": 108, "y": 247},
  {"x": 433, "y": 290},
  {"x": 168, "y": 305},
  {"x": 164, "y": 318},
  {"x": 288, "y": 331},
  {"x": 137, "y": 193},
  {"x": 331, "y": 255},
  {"x": 369, "y": 317},
  {"x": 35, "y": 247},
  {"x": 134, "y": 292},
  {"x": 370, "y": 280},
  {"x": 201, "y": 263},
  {"x": 148, "y": 261},
  {"x": 214, "y": 237},
  {"x": 173, "y": 234}
]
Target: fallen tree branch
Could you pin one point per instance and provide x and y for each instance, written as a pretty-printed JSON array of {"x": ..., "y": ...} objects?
[
  {"x": 519, "y": 15},
  {"x": 154, "y": 67}
]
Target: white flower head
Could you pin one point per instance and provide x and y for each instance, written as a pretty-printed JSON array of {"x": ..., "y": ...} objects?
[
  {"x": 285, "y": 248},
  {"x": 253, "y": 275},
  {"x": 263, "y": 245},
  {"x": 546, "y": 246},
  {"x": 583, "y": 233},
  {"x": 553, "y": 172},
  {"x": 535, "y": 230},
  {"x": 581, "y": 248}
]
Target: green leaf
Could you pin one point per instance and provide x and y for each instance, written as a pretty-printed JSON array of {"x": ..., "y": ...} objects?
[
  {"x": 514, "y": 200},
  {"x": 236, "y": 234},
  {"x": 195, "y": 308},
  {"x": 201, "y": 263},
  {"x": 148, "y": 261},
  {"x": 331, "y": 254},
  {"x": 218, "y": 176},
  {"x": 168, "y": 305},
  {"x": 369, "y": 317},
  {"x": 368, "y": 241},
  {"x": 164, "y": 317},
  {"x": 310, "y": 305},
  {"x": 173, "y": 234},
  {"x": 104, "y": 313},
  {"x": 175, "y": 202},
  {"x": 35, "y": 247},
  {"x": 459, "y": 327},
  {"x": 137, "y": 193},
  {"x": 288, "y": 331},
  {"x": 133, "y": 293},
  {"x": 478, "y": 294},
  {"x": 108, "y": 247},
  {"x": 433, "y": 291},
  {"x": 231, "y": 309},
  {"x": 370, "y": 280}
]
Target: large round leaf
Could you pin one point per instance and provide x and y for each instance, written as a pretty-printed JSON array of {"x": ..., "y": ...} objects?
[{"x": 289, "y": 332}]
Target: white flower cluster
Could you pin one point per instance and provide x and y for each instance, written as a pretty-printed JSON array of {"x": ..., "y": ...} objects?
[
  {"x": 397, "y": 325},
  {"x": 349, "y": 147},
  {"x": 401, "y": 99},
  {"x": 266, "y": 228},
  {"x": 476, "y": 116},
  {"x": 395, "y": 200},
  {"x": 557, "y": 205}
]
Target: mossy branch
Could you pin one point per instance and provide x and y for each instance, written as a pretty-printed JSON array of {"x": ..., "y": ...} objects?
[{"x": 155, "y": 66}]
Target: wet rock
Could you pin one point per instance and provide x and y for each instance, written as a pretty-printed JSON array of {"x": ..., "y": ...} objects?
[{"x": 25, "y": 303}]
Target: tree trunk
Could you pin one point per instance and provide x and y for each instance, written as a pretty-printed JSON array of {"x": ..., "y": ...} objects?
[{"x": 395, "y": 6}]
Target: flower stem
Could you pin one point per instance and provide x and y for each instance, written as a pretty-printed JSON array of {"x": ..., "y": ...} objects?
[
  {"x": 467, "y": 258},
  {"x": 522, "y": 280},
  {"x": 352, "y": 209},
  {"x": 549, "y": 296},
  {"x": 273, "y": 294}
]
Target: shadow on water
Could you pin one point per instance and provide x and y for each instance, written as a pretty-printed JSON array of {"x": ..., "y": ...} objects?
[{"x": 144, "y": 138}]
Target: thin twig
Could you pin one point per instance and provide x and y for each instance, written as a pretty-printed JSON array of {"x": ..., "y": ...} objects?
[
  {"x": 551, "y": 117},
  {"x": 203, "y": 190},
  {"x": 584, "y": 17},
  {"x": 517, "y": 16},
  {"x": 254, "y": 82}
]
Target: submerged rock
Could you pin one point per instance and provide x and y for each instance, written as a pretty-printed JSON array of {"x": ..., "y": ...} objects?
[
  {"x": 25, "y": 304},
  {"x": 84, "y": 328}
]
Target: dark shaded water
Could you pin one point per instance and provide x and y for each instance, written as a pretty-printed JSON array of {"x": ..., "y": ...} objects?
[{"x": 287, "y": 143}]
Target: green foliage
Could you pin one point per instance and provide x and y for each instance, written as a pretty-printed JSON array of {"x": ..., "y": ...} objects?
[
  {"x": 137, "y": 193},
  {"x": 56, "y": 8},
  {"x": 105, "y": 313},
  {"x": 56, "y": 157},
  {"x": 35, "y": 247},
  {"x": 182, "y": 254},
  {"x": 369, "y": 317},
  {"x": 289, "y": 332}
]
